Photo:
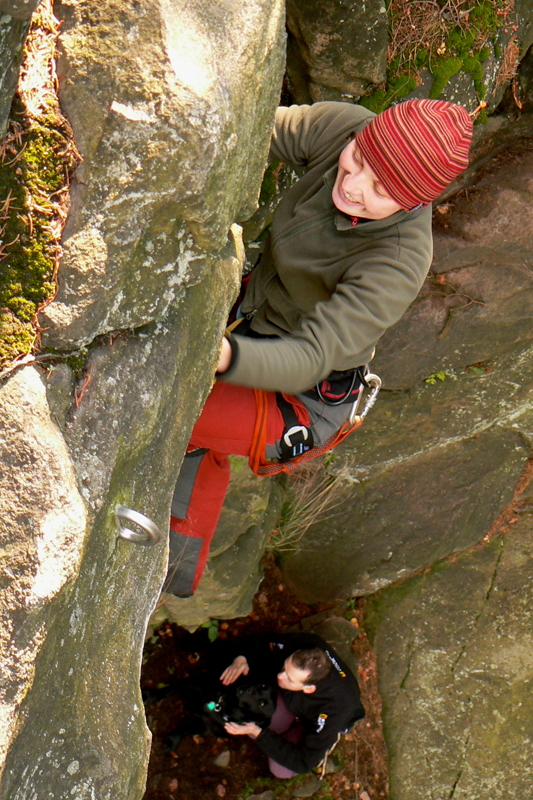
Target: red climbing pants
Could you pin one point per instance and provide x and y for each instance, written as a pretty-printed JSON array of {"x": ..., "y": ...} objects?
[{"x": 226, "y": 426}]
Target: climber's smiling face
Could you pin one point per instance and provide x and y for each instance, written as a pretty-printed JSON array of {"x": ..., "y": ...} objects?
[{"x": 358, "y": 191}]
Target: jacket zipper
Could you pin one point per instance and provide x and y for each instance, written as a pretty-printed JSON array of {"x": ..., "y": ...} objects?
[{"x": 301, "y": 228}]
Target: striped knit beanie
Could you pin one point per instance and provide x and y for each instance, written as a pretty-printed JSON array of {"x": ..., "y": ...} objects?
[{"x": 417, "y": 148}]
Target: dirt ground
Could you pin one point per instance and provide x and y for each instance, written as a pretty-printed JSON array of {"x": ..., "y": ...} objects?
[{"x": 190, "y": 774}]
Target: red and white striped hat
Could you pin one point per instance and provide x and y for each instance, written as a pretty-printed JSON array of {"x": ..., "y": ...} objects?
[{"x": 417, "y": 148}]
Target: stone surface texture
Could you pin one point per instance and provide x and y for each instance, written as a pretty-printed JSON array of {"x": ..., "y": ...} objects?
[
  {"x": 456, "y": 674},
  {"x": 174, "y": 147},
  {"x": 162, "y": 98},
  {"x": 42, "y": 530},
  {"x": 232, "y": 573},
  {"x": 337, "y": 631},
  {"x": 338, "y": 49},
  {"x": 19, "y": 9},
  {"x": 83, "y": 719},
  {"x": 436, "y": 462},
  {"x": 13, "y": 33}
]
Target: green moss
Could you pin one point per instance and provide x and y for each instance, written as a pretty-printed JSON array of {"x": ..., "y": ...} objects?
[
  {"x": 443, "y": 70},
  {"x": 458, "y": 55},
  {"x": 78, "y": 360},
  {"x": 27, "y": 177},
  {"x": 15, "y": 336},
  {"x": 270, "y": 183}
]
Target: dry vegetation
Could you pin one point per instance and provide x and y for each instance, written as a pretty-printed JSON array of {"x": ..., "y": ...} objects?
[
  {"x": 312, "y": 495},
  {"x": 425, "y": 25}
]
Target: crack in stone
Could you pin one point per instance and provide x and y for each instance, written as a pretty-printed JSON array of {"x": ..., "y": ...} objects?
[
  {"x": 484, "y": 603},
  {"x": 404, "y": 680},
  {"x": 431, "y": 796},
  {"x": 458, "y": 778}
]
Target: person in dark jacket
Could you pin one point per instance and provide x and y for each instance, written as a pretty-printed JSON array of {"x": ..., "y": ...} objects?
[
  {"x": 318, "y": 699},
  {"x": 349, "y": 249}
]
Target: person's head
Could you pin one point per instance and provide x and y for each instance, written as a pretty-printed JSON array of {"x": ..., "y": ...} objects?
[
  {"x": 403, "y": 159},
  {"x": 304, "y": 670}
]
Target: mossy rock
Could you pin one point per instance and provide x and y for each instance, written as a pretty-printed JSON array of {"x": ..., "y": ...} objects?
[{"x": 29, "y": 175}]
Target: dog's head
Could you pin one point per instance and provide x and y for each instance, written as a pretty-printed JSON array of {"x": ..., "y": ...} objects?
[
  {"x": 244, "y": 702},
  {"x": 256, "y": 702}
]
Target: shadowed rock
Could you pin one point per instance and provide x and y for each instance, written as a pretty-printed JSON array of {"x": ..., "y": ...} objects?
[{"x": 338, "y": 49}]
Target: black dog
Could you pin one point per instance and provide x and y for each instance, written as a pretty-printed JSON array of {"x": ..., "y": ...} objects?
[{"x": 209, "y": 708}]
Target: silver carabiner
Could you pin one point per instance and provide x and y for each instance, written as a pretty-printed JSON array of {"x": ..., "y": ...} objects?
[
  {"x": 151, "y": 534},
  {"x": 374, "y": 381}
]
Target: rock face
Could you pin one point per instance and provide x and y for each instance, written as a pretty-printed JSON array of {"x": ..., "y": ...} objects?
[
  {"x": 338, "y": 49},
  {"x": 232, "y": 575},
  {"x": 43, "y": 520},
  {"x": 84, "y": 707},
  {"x": 166, "y": 139},
  {"x": 14, "y": 25},
  {"x": 456, "y": 672},
  {"x": 440, "y": 455},
  {"x": 163, "y": 103}
]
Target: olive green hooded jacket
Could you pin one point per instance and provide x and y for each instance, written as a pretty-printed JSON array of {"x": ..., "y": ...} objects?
[{"x": 327, "y": 288}]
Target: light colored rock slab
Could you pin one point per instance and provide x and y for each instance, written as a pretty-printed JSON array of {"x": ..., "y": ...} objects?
[{"x": 42, "y": 533}]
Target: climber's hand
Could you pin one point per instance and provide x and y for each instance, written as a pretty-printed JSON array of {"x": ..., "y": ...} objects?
[{"x": 225, "y": 356}]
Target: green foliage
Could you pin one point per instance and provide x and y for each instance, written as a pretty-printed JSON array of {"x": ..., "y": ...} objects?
[
  {"x": 350, "y": 608},
  {"x": 236, "y": 463},
  {"x": 284, "y": 789},
  {"x": 438, "y": 376},
  {"x": 270, "y": 183},
  {"x": 78, "y": 360},
  {"x": 212, "y": 629}
]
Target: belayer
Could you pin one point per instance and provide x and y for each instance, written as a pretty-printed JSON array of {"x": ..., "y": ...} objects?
[
  {"x": 318, "y": 699},
  {"x": 348, "y": 251}
]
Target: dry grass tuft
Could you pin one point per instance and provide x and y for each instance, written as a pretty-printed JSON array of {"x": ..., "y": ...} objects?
[
  {"x": 38, "y": 80},
  {"x": 415, "y": 25},
  {"x": 510, "y": 62},
  {"x": 312, "y": 496}
]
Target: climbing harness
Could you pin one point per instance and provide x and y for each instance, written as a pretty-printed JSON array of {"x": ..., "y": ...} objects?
[
  {"x": 358, "y": 375},
  {"x": 296, "y": 439}
]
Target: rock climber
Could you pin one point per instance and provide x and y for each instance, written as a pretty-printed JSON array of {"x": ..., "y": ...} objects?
[
  {"x": 348, "y": 251},
  {"x": 318, "y": 698}
]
